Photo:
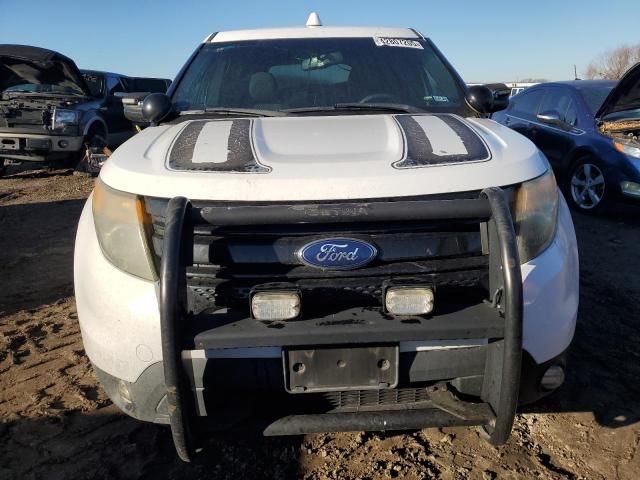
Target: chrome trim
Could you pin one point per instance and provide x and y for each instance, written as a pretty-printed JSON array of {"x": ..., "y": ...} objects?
[{"x": 574, "y": 131}]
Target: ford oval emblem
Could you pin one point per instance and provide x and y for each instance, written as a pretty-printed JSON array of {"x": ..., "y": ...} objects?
[{"x": 337, "y": 253}]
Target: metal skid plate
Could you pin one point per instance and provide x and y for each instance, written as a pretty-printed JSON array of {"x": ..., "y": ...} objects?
[{"x": 350, "y": 368}]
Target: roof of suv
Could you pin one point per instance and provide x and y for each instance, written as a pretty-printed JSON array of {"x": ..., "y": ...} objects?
[{"x": 312, "y": 32}]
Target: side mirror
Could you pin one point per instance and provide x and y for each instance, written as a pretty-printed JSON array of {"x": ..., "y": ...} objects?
[
  {"x": 480, "y": 98},
  {"x": 156, "y": 107},
  {"x": 487, "y": 99},
  {"x": 551, "y": 117}
]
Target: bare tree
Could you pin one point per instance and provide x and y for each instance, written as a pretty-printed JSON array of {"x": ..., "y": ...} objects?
[{"x": 613, "y": 63}]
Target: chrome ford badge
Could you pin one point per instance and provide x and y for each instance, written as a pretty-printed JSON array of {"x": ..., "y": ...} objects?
[{"x": 337, "y": 253}]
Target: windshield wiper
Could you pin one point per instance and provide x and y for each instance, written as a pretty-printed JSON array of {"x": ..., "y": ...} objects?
[
  {"x": 254, "y": 112},
  {"x": 389, "y": 107},
  {"x": 392, "y": 107}
]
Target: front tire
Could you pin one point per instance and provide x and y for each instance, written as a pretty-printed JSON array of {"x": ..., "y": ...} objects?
[
  {"x": 92, "y": 140},
  {"x": 3, "y": 166},
  {"x": 586, "y": 186}
]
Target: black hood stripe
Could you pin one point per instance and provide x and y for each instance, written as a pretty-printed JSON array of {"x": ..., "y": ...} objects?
[
  {"x": 240, "y": 155},
  {"x": 181, "y": 156},
  {"x": 419, "y": 151},
  {"x": 463, "y": 142}
]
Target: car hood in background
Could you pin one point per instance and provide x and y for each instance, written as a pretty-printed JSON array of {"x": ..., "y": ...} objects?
[
  {"x": 624, "y": 96},
  {"x": 297, "y": 158},
  {"x": 24, "y": 64}
]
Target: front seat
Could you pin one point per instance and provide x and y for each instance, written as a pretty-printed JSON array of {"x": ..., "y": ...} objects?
[{"x": 263, "y": 89}]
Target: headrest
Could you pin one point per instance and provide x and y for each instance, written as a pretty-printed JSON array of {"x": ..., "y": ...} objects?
[{"x": 262, "y": 87}]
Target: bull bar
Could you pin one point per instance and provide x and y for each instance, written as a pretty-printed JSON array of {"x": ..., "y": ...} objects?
[{"x": 503, "y": 363}]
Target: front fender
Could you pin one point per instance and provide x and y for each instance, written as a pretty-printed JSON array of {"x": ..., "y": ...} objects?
[{"x": 90, "y": 119}]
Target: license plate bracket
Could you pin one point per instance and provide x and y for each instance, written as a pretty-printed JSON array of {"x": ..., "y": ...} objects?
[{"x": 371, "y": 367}]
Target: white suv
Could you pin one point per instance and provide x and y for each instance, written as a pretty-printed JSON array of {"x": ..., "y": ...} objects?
[{"x": 319, "y": 232}]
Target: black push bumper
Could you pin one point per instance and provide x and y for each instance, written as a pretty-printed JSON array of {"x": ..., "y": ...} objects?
[{"x": 499, "y": 321}]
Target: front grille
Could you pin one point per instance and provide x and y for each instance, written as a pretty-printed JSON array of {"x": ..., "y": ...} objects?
[
  {"x": 376, "y": 398},
  {"x": 228, "y": 262}
]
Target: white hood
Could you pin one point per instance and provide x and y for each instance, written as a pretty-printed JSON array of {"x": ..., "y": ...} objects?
[{"x": 322, "y": 158}]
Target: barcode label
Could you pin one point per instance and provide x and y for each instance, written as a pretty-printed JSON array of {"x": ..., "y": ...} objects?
[{"x": 397, "y": 42}]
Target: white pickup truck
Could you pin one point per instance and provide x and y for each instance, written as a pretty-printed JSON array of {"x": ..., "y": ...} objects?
[{"x": 320, "y": 232}]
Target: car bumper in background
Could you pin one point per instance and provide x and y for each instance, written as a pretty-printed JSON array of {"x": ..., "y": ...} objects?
[{"x": 37, "y": 147}]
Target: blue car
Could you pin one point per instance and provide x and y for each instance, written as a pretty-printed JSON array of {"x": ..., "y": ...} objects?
[{"x": 590, "y": 132}]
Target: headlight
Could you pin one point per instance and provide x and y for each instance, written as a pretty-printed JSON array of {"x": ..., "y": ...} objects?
[
  {"x": 122, "y": 226},
  {"x": 63, "y": 118},
  {"x": 535, "y": 215},
  {"x": 627, "y": 149}
]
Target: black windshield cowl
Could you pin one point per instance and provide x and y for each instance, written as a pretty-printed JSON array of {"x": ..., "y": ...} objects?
[
  {"x": 374, "y": 107},
  {"x": 251, "y": 112}
]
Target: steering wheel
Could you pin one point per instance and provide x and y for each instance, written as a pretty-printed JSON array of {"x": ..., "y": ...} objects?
[{"x": 380, "y": 97}]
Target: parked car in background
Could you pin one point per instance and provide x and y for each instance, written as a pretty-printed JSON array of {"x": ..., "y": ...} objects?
[
  {"x": 50, "y": 110},
  {"x": 589, "y": 130},
  {"x": 519, "y": 87}
]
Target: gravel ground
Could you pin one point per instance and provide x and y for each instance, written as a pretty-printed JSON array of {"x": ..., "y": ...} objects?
[{"x": 56, "y": 423}]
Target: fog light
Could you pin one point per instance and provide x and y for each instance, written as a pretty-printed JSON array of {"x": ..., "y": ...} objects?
[
  {"x": 63, "y": 144},
  {"x": 409, "y": 300},
  {"x": 275, "y": 305},
  {"x": 552, "y": 378},
  {"x": 630, "y": 188}
]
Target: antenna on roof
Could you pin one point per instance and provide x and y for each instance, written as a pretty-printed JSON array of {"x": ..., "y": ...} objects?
[{"x": 314, "y": 20}]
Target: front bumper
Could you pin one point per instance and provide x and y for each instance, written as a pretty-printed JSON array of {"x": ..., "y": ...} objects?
[
  {"x": 549, "y": 305},
  {"x": 35, "y": 147},
  {"x": 146, "y": 398}
]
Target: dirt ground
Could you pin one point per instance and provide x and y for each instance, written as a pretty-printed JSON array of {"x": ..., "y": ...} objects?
[{"x": 56, "y": 423}]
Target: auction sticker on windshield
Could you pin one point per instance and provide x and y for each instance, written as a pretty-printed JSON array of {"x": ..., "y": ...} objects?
[{"x": 397, "y": 42}]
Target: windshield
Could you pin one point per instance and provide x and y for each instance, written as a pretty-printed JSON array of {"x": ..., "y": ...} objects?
[
  {"x": 595, "y": 96},
  {"x": 287, "y": 74},
  {"x": 95, "y": 82}
]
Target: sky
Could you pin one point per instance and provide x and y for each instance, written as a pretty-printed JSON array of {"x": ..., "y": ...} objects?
[{"x": 486, "y": 41}]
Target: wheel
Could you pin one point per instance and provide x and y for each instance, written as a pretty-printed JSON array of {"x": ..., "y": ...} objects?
[
  {"x": 586, "y": 186},
  {"x": 94, "y": 139},
  {"x": 3, "y": 167}
]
